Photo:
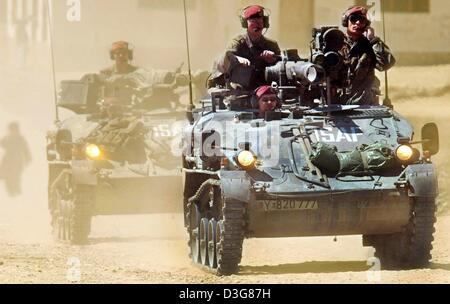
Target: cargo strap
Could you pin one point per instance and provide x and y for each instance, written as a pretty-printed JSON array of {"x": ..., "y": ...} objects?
[{"x": 365, "y": 161}]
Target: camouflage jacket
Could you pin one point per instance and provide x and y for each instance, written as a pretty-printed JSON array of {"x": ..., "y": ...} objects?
[
  {"x": 362, "y": 57},
  {"x": 242, "y": 46}
]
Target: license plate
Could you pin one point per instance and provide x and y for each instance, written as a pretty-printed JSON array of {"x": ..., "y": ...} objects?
[{"x": 289, "y": 205}]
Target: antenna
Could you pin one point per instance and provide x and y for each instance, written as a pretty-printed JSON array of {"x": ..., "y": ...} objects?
[
  {"x": 191, "y": 102},
  {"x": 387, "y": 101},
  {"x": 50, "y": 31}
]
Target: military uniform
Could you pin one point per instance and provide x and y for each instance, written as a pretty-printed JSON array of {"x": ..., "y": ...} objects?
[
  {"x": 138, "y": 77},
  {"x": 124, "y": 85},
  {"x": 362, "y": 58},
  {"x": 242, "y": 46},
  {"x": 111, "y": 71},
  {"x": 16, "y": 157},
  {"x": 149, "y": 88}
]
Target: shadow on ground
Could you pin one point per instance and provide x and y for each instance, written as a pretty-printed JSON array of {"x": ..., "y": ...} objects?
[
  {"x": 307, "y": 267},
  {"x": 137, "y": 239}
]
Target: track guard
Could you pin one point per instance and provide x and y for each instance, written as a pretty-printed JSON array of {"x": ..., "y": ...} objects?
[
  {"x": 83, "y": 173},
  {"x": 422, "y": 180},
  {"x": 236, "y": 185}
]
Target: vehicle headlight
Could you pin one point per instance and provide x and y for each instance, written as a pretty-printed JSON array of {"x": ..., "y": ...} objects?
[
  {"x": 93, "y": 151},
  {"x": 246, "y": 160},
  {"x": 404, "y": 153}
]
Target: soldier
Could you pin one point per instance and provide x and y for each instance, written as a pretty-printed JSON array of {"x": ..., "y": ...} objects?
[
  {"x": 17, "y": 156},
  {"x": 363, "y": 52},
  {"x": 121, "y": 53},
  {"x": 251, "y": 49},
  {"x": 122, "y": 73},
  {"x": 124, "y": 80},
  {"x": 265, "y": 99}
]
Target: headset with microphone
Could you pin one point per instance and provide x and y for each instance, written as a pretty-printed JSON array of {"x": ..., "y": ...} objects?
[
  {"x": 266, "y": 15},
  {"x": 122, "y": 45},
  {"x": 356, "y": 9}
]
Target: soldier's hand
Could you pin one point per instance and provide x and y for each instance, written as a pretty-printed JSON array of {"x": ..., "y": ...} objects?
[
  {"x": 369, "y": 33},
  {"x": 269, "y": 56},
  {"x": 243, "y": 61}
]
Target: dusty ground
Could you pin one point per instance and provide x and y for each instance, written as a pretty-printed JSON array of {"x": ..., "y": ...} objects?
[{"x": 153, "y": 249}]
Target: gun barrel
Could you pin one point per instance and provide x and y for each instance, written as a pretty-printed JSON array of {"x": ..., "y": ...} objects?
[
  {"x": 328, "y": 60},
  {"x": 299, "y": 71},
  {"x": 305, "y": 71}
]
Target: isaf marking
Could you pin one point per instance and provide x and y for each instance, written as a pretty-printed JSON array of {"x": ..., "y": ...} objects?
[{"x": 329, "y": 135}]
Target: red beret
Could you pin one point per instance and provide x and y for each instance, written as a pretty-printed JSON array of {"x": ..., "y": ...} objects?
[
  {"x": 356, "y": 10},
  {"x": 263, "y": 90},
  {"x": 252, "y": 11},
  {"x": 119, "y": 45}
]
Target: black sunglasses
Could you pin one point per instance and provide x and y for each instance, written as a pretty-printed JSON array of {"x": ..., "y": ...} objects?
[{"x": 357, "y": 17}]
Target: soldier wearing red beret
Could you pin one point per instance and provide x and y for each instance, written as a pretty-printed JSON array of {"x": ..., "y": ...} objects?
[
  {"x": 265, "y": 100},
  {"x": 122, "y": 54},
  {"x": 364, "y": 52},
  {"x": 249, "y": 49}
]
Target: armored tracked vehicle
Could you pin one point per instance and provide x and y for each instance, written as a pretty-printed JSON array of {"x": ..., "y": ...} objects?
[
  {"x": 117, "y": 154},
  {"x": 311, "y": 168}
]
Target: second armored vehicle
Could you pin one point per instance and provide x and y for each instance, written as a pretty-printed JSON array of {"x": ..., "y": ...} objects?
[{"x": 116, "y": 155}]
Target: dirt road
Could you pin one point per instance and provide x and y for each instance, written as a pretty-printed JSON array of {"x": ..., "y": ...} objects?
[{"x": 153, "y": 248}]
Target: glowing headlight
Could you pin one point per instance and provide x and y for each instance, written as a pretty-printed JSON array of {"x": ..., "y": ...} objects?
[
  {"x": 93, "y": 151},
  {"x": 246, "y": 160},
  {"x": 404, "y": 153}
]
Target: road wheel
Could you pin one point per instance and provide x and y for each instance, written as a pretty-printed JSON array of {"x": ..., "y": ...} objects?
[
  {"x": 194, "y": 240},
  {"x": 203, "y": 237},
  {"x": 212, "y": 244},
  {"x": 216, "y": 229}
]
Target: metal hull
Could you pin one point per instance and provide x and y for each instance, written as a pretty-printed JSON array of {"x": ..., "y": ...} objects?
[
  {"x": 145, "y": 195},
  {"x": 377, "y": 212}
]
